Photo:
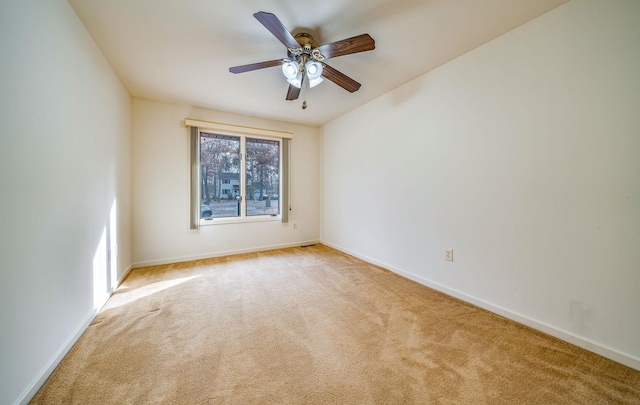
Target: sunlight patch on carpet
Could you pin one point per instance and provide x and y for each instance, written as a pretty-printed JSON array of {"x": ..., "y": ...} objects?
[{"x": 126, "y": 297}]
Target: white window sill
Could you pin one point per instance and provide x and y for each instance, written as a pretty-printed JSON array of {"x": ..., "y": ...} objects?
[{"x": 224, "y": 221}]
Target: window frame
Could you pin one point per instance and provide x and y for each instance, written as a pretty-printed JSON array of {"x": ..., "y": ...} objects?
[{"x": 243, "y": 218}]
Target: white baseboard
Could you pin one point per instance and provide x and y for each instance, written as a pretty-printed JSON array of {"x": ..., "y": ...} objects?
[
  {"x": 35, "y": 386},
  {"x": 121, "y": 278},
  {"x": 579, "y": 341},
  {"x": 171, "y": 260}
]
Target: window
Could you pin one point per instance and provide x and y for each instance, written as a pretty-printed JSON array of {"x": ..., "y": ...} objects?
[
  {"x": 238, "y": 173},
  {"x": 240, "y": 177},
  {"x": 262, "y": 173}
]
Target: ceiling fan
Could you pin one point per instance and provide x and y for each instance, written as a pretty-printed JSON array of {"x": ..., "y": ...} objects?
[{"x": 305, "y": 58}]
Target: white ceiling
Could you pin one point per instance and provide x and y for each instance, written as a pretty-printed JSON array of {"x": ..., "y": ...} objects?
[{"x": 180, "y": 51}]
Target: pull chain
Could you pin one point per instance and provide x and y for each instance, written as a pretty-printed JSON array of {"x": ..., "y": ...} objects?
[{"x": 304, "y": 92}]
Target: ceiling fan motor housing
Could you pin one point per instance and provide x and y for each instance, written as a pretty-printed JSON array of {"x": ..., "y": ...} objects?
[{"x": 305, "y": 39}]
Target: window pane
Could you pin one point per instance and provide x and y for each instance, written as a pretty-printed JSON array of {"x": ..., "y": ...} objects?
[
  {"x": 220, "y": 176},
  {"x": 263, "y": 177}
]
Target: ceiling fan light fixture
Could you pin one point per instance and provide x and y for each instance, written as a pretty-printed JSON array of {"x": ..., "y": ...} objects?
[
  {"x": 314, "y": 82},
  {"x": 314, "y": 73},
  {"x": 314, "y": 69},
  {"x": 290, "y": 69},
  {"x": 296, "y": 81}
]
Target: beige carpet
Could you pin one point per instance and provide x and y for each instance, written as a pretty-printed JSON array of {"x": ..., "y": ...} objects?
[{"x": 315, "y": 326}]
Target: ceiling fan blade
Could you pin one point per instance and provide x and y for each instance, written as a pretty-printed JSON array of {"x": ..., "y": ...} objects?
[
  {"x": 339, "y": 78},
  {"x": 361, "y": 43},
  {"x": 294, "y": 92},
  {"x": 273, "y": 24},
  {"x": 255, "y": 66}
]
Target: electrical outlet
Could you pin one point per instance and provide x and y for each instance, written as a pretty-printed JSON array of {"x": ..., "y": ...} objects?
[
  {"x": 448, "y": 255},
  {"x": 295, "y": 225}
]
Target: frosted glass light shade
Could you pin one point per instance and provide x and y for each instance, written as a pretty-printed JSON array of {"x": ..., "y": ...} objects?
[
  {"x": 290, "y": 69},
  {"x": 314, "y": 69},
  {"x": 314, "y": 82},
  {"x": 296, "y": 81}
]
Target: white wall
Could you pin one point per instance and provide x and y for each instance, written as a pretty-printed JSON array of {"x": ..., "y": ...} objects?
[
  {"x": 65, "y": 130},
  {"x": 524, "y": 157},
  {"x": 161, "y": 172}
]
